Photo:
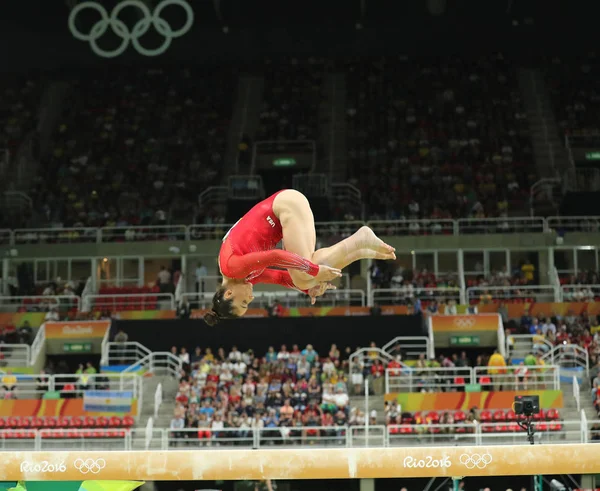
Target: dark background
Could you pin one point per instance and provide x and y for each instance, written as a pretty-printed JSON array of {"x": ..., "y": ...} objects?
[{"x": 260, "y": 333}]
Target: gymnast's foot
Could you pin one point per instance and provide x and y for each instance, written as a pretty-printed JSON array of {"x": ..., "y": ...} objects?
[{"x": 368, "y": 240}]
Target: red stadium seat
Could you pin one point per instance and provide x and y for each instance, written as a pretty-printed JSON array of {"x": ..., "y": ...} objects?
[
  {"x": 485, "y": 416},
  {"x": 459, "y": 416},
  {"x": 128, "y": 421},
  {"x": 498, "y": 415},
  {"x": 510, "y": 415},
  {"x": 551, "y": 414}
]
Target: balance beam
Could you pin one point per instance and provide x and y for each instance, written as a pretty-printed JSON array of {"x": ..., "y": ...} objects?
[{"x": 216, "y": 463}]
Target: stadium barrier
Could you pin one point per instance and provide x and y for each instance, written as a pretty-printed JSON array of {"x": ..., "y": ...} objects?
[
  {"x": 311, "y": 463},
  {"x": 313, "y": 437},
  {"x": 413, "y": 379},
  {"x": 324, "y": 229}
]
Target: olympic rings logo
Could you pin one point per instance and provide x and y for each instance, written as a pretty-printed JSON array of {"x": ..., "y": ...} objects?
[
  {"x": 89, "y": 465},
  {"x": 139, "y": 29},
  {"x": 464, "y": 322},
  {"x": 480, "y": 461}
]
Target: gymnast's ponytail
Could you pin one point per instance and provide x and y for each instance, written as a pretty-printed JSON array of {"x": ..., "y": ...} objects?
[{"x": 221, "y": 309}]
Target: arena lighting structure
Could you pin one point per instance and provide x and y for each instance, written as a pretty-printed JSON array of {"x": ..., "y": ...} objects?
[{"x": 301, "y": 463}]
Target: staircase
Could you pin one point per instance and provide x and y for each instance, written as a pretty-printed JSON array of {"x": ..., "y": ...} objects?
[
  {"x": 375, "y": 402},
  {"x": 165, "y": 412},
  {"x": 332, "y": 127},
  {"x": 551, "y": 158}
]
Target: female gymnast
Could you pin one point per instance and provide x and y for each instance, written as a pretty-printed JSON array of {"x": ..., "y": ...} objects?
[{"x": 248, "y": 254}]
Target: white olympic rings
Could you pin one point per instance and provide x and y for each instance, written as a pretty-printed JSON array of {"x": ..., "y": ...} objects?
[
  {"x": 130, "y": 35},
  {"x": 475, "y": 460},
  {"x": 89, "y": 466}
]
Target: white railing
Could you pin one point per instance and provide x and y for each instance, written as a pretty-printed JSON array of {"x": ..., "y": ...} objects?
[
  {"x": 143, "y": 234},
  {"x": 568, "y": 356},
  {"x": 149, "y": 430},
  {"x": 39, "y": 303},
  {"x": 134, "y": 301},
  {"x": 576, "y": 394},
  {"x": 39, "y": 344},
  {"x": 158, "y": 399},
  {"x": 15, "y": 355},
  {"x": 362, "y": 356},
  {"x": 408, "y": 346},
  {"x": 538, "y": 377},
  {"x": 126, "y": 353},
  {"x": 539, "y": 293},
  {"x": 579, "y": 293},
  {"x": 520, "y": 345},
  {"x": 574, "y": 224},
  {"x": 404, "y": 295},
  {"x": 287, "y": 299},
  {"x": 161, "y": 362},
  {"x": 426, "y": 379},
  {"x": 415, "y": 227},
  {"x": 413, "y": 379},
  {"x": 104, "y": 348},
  {"x": 505, "y": 225},
  {"x": 382, "y": 227},
  {"x": 431, "y": 434}
]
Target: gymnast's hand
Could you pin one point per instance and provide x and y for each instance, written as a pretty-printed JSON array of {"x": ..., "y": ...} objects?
[
  {"x": 317, "y": 291},
  {"x": 327, "y": 274}
]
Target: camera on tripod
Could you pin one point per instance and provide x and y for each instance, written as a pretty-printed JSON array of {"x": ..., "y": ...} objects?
[{"x": 527, "y": 405}]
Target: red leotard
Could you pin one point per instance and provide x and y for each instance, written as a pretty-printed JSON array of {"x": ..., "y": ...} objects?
[{"x": 248, "y": 249}]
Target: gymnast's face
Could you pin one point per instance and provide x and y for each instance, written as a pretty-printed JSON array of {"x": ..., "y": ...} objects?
[{"x": 241, "y": 296}]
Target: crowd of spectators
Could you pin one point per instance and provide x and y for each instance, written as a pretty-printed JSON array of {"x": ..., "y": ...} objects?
[
  {"x": 575, "y": 91},
  {"x": 452, "y": 139},
  {"x": 134, "y": 147},
  {"x": 226, "y": 395},
  {"x": 292, "y": 97},
  {"x": 19, "y": 106}
]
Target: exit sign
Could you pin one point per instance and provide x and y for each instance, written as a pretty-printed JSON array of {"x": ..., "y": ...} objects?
[
  {"x": 464, "y": 340},
  {"x": 592, "y": 156},
  {"x": 77, "y": 347}
]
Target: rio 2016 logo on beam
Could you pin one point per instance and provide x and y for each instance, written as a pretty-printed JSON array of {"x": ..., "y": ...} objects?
[{"x": 127, "y": 35}]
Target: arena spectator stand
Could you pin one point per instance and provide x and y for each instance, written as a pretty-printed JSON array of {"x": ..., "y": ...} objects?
[
  {"x": 452, "y": 141},
  {"x": 19, "y": 104},
  {"x": 292, "y": 96},
  {"x": 574, "y": 88},
  {"x": 226, "y": 396},
  {"x": 134, "y": 147}
]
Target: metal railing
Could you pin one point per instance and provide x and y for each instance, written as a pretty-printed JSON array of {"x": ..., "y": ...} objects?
[
  {"x": 427, "y": 379},
  {"x": 133, "y": 301},
  {"x": 457, "y": 434},
  {"x": 413, "y": 379},
  {"x": 39, "y": 303},
  {"x": 576, "y": 394},
  {"x": 158, "y": 399},
  {"x": 143, "y": 234},
  {"x": 518, "y": 346},
  {"x": 569, "y": 356},
  {"x": 287, "y": 299},
  {"x": 404, "y": 295},
  {"x": 408, "y": 346},
  {"x": 574, "y": 224},
  {"x": 506, "y": 225},
  {"x": 382, "y": 227},
  {"x": 139, "y": 358},
  {"x": 414, "y": 227},
  {"x": 545, "y": 293},
  {"x": 579, "y": 293},
  {"x": 34, "y": 386},
  {"x": 15, "y": 355}
]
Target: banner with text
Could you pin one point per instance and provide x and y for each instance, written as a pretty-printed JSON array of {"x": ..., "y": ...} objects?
[
  {"x": 76, "y": 329},
  {"x": 452, "y": 401}
]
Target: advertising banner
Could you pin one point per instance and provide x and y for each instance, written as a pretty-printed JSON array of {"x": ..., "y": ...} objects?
[
  {"x": 76, "y": 329},
  {"x": 453, "y": 401},
  {"x": 466, "y": 323},
  {"x": 53, "y": 407}
]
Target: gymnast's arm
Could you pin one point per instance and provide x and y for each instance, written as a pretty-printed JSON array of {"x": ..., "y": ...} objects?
[{"x": 242, "y": 265}]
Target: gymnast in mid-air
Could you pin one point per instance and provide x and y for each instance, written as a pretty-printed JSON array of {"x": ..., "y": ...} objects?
[{"x": 249, "y": 255}]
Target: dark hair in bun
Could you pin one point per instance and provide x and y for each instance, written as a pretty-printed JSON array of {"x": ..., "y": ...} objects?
[{"x": 221, "y": 309}]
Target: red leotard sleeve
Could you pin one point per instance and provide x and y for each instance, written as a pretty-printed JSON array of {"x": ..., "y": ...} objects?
[
  {"x": 276, "y": 277},
  {"x": 242, "y": 266}
]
